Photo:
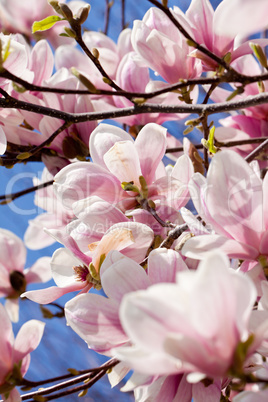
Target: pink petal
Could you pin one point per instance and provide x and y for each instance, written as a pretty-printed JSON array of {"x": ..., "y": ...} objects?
[
  {"x": 3, "y": 141},
  {"x": 27, "y": 339},
  {"x": 35, "y": 237},
  {"x": 163, "y": 265},
  {"x": 123, "y": 162},
  {"x": 95, "y": 319},
  {"x": 151, "y": 146},
  {"x": 97, "y": 213},
  {"x": 12, "y": 251},
  {"x": 122, "y": 277},
  {"x": 12, "y": 308},
  {"x": 143, "y": 237},
  {"x": 41, "y": 61},
  {"x": 198, "y": 246},
  {"x": 265, "y": 201},
  {"x": 6, "y": 341},
  {"x": 48, "y": 295},
  {"x": 62, "y": 264},
  {"x": 102, "y": 139},
  {"x": 39, "y": 272},
  {"x": 234, "y": 17},
  {"x": 234, "y": 197},
  {"x": 80, "y": 180}
]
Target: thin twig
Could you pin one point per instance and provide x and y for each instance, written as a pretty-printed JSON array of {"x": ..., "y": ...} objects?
[
  {"x": 103, "y": 368},
  {"x": 202, "y": 49},
  {"x": 11, "y": 197},
  {"x": 218, "y": 144},
  {"x": 257, "y": 151},
  {"x": 107, "y": 17},
  {"x": 123, "y": 24}
]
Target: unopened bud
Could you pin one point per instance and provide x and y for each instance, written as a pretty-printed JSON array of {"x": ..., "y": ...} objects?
[
  {"x": 66, "y": 11},
  {"x": 106, "y": 80},
  {"x": 259, "y": 53},
  {"x": 82, "y": 14},
  {"x": 228, "y": 57},
  {"x": 95, "y": 53},
  {"x": 84, "y": 80},
  {"x": 55, "y": 5},
  {"x": 70, "y": 32}
]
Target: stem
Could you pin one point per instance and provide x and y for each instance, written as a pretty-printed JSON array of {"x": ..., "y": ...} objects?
[
  {"x": 102, "y": 369},
  {"x": 173, "y": 235},
  {"x": 10, "y": 197},
  {"x": 257, "y": 151},
  {"x": 77, "y": 28},
  {"x": 123, "y": 14},
  {"x": 107, "y": 17},
  {"x": 218, "y": 144},
  {"x": 202, "y": 49},
  {"x": 145, "y": 205}
]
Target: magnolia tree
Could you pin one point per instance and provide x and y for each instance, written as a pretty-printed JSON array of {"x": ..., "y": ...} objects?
[{"x": 164, "y": 244}]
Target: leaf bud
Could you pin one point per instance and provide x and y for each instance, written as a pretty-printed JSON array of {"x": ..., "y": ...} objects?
[
  {"x": 66, "y": 11},
  {"x": 55, "y": 5},
  {"x": 82, "y": 14},
  {"x": 95, "y": 53},
  {"x": 259, "y": 53},
  {"x": 70, "y": 32},
  {"x": 84, "y": 80}
]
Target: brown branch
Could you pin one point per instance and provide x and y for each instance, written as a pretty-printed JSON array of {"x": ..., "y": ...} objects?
[
  {"x": 221, "y": 144},
  {"x": 257, "y": 151},
  {"x": 11, "y": 197},
  {"x": 10, "y": 102},
  {"x": 77, "y": 29},
  {"x": 99, "y": 372},
  {"x": 107, "y": 17},
  {"x": 123, "y": 23}
]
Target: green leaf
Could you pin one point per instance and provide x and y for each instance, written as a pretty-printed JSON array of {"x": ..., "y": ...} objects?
[
  {"x": 209, "y": 144},
  {"x": 46, "y": 23}
]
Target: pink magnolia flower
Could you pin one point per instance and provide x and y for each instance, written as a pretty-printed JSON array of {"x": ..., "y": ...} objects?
[
  {"x": 209, "y": 28},
  {"x": 55, "y": 217},
  {"x": 241, "y": 127},
  {"x": 193, "y": 326},
  {"x": 233, "y": 201},
  {"x": 76, "y": 268},
  {"x": 238, "y": 14},
  {"x": 133, "y": 76},
  {"x": 119, "y": 276},
  {"x": 110, "y": 54},
  {"x": 15, "y": 353},
  {"x": 118, "y": 159},
  {"x": 18, "y": 16},
  {"x": 14, "y": 278},
  {"x": 163, "y": 47}
]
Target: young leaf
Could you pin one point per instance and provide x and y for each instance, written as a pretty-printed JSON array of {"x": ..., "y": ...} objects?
[{"x": 46, "y": 23}]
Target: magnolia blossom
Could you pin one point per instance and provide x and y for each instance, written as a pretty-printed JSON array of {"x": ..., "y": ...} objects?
[
  {"x": 55, "y": 217},
  {"x": 75, "y": 268},
  {"x": 164, "y": 49},
  {"x": 118, "y": 161},
  {"x": 133, "y": 76},
  {"x": 193, "y": 326},
  {"x": 19, "y": 16},
  {"x": 14, "y": 278},
  {"x": 95, "y": 318},
  {"x": 209, "y": 28},
  {"x": 233, "y": 201},
  {"x": 15, "y": 353}
]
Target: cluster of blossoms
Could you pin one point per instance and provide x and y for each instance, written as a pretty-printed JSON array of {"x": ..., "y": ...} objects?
[{"x": 177, "y": 254}]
